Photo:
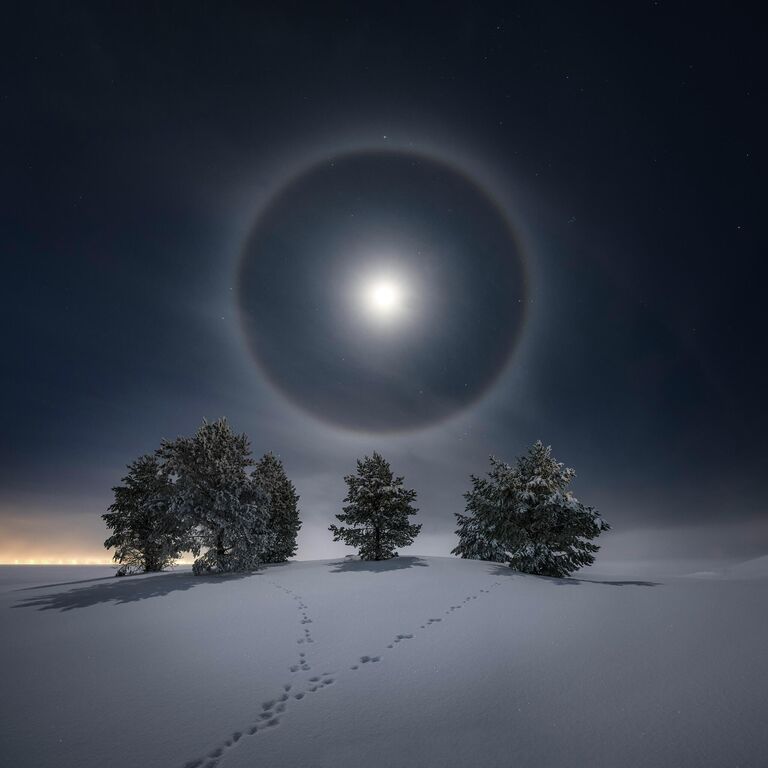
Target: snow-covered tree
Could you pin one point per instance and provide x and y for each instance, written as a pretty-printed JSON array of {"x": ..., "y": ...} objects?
[
  {"x": 478, "y": 531},
  {"x": 526, "y": 516},
  {"x": 284, "y": 522},
  {"x": 146, "y": 536},
  {"x": 217, "y": 500},
  {"x": 376, "y": 511}
]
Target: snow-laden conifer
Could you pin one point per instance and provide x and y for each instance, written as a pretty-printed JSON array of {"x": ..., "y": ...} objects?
[
  {"x": 215, "y": 497},
  {"x": 284, "y": 523},
  {"x": 526, "y": 516},
  {"x": 146, "y": 536},
  {"x": 478, "y": 529},
  {"x": 376, "y": 512}
]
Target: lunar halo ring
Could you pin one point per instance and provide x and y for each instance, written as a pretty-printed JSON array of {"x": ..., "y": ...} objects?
[{"x": 277, "y": 354}]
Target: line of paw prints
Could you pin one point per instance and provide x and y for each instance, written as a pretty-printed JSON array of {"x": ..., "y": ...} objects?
[
  {"x": 273, "y": 710},
  {"x": 429, "y": 622}
]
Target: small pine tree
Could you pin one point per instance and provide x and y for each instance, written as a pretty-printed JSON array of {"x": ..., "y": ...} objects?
[
  {"x": 377, "y": 511},
  {"x": 216, "y": 499},
  {"x": 146, "y": 536},
  {"x": 284, "y": 522},
  {"x": 526, "y": 516}
]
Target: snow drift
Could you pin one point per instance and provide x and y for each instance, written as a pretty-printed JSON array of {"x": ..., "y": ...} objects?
[{"x": 411, "y": 661}]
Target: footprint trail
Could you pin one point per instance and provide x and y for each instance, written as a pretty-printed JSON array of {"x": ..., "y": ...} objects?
[{"x": 273, "y": 710}]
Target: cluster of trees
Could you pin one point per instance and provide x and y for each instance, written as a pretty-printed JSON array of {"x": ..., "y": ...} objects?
[
  {"x": 203, "y": 494},
  {"x": 197, "y": 494},
  {"x": 524, "y": 515}
]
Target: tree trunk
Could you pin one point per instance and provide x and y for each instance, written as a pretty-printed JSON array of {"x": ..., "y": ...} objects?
[{"x": 151, "y": 562}]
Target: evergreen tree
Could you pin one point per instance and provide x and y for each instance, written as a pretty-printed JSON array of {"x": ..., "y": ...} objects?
[
  {"x": 377, "y": 511},
  {"x": 284, "y": 522},
  {"x": 526, "y": 516},
  {"x": 217, "y": 500},
  {"x": 478, "y": 531},
  {"x": 146, "y": 536}
]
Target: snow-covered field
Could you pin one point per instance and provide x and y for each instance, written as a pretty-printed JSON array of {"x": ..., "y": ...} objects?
[{"x": 411, "y": 662}]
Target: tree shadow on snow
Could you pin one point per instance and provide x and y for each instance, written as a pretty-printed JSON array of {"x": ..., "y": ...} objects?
[
  {"x": 570, "y": 580},
  {"x": 499, "y": 570},
  {"x": 378, "y": 566},
  {"x": 123, "y": 590},
  {"x": 66, "y": 583}
]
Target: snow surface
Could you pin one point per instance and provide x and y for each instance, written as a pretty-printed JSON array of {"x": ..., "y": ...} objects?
[
  {"x": 751, "y": 569},
  {"x": 410, "y": 662}
]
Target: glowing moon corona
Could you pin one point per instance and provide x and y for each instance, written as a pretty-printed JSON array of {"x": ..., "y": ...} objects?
[{"x": 382, "y": 298}]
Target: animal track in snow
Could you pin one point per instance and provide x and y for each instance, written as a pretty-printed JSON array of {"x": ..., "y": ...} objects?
[{"x": 274, "y": 709}]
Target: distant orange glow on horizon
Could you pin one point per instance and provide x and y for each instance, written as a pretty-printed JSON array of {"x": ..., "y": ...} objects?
[
  {"x": 65, "y": 542},
  {"x": 27, "y": 559}
]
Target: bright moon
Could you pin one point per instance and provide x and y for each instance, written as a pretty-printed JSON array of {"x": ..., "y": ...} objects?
[{"x": 383, "y": 298}]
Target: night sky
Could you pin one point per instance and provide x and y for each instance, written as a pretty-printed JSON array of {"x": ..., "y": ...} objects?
[{"x": 198, "y": 198}]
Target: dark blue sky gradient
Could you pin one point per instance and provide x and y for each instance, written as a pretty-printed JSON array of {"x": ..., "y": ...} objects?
[{"x": 625, "y": 142}]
